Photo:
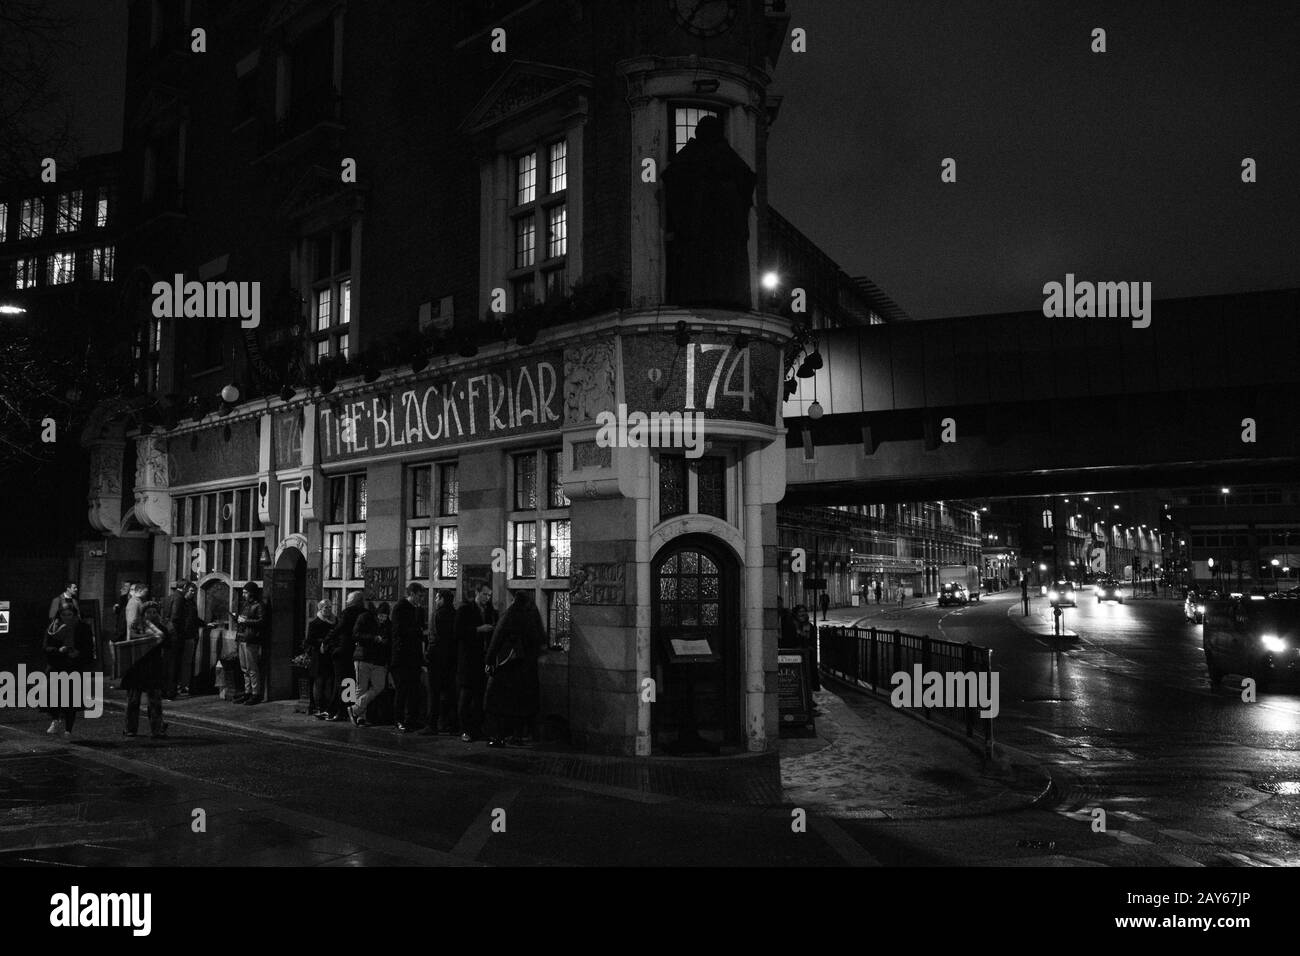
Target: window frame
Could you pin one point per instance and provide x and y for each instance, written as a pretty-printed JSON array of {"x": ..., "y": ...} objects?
[
  {"x": 543, "y": 516},
  {"x": 434, "y": 521},
  {"x": 335, "y": 339},
  {"x": 339, "y": 588},
  {"x": 731, "y": 483},
  {"x": 705, "y": 107},
  {"x": 199, "y": 527},
  {"x": 31, "y": 218},
  {"x": 539, "y": 273}
]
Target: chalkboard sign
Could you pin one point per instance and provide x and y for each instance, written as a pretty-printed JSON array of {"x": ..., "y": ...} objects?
[{"x": 794, "y": 693}]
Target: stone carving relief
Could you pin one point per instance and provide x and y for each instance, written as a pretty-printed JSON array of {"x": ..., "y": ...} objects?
[
  {"x": 104, "y": 499},
  {"x": 153, "y": 503},
  {"x": 588, "y": 382}
]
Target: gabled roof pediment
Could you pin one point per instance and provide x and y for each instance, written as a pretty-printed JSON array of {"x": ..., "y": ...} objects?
[{"x": 524, "y": 86}]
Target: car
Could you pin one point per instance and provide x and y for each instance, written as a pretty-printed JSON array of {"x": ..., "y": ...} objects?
[
  {"x": 1194, "y": 607},
  {"x": 1062, "y": 594},
  {"x": 953, "y": 593},
  {"x": 1257, "y": 639},
  {"x": 1107, "y": 589}
]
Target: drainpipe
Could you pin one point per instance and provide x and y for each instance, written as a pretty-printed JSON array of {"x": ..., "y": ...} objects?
[{"x": 753, "y": 647}]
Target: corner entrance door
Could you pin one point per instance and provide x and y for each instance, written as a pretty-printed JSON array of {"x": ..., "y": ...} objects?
[
  {"x": 288, "y": 611},
  {"x": 695, "y": 654}
]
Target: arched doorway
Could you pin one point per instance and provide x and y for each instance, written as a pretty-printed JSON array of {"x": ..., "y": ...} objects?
[
  {"x": 696, "y": 655},
  {"x": 286, "y": 604}
]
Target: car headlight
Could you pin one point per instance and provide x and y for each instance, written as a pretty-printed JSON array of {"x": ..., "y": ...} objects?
[
  {"x": 1273, "y": 643},
  {"x": 1053, "y": 595},
  {"x": 1200, "y": 609}
]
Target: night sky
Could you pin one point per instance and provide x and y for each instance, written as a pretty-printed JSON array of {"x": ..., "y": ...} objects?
[{"x": 1117, "y": 166}]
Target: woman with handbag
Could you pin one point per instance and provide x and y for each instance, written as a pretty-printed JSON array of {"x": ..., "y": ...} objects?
[{"x": 513, "y": 690}]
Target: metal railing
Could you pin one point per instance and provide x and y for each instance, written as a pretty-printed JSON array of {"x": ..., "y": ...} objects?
[{"x": 868, "y": 657}]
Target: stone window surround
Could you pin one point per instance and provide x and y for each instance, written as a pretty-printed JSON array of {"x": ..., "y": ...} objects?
[
  {"x": 562, "y": 118},
  {"x": 655, "y": 85}
]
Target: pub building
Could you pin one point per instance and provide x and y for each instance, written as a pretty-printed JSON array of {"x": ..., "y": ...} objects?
[{"x": 479, "y": 456}]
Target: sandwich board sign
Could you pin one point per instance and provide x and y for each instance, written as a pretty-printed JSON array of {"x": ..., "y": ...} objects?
[{"x": 4, "y": 617}]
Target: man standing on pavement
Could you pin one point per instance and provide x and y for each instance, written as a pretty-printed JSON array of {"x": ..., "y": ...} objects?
[
  {"x": 441, "y": 661},
  {"x": 878, "y": 591},
  {"x": 249, "y": 635},
  {"x": 408, "y": 656},
  {"x": 182, "y": 616},
  {"x": 1024, "y": 591},
  {"x": 474, "y": 623},
  {"x": 69, "y": 595}
]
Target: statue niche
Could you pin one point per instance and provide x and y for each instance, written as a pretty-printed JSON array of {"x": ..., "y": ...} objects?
[{"x": 708, "y": 191}]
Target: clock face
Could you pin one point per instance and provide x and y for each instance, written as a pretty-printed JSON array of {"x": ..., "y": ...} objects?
[{"x": 704, "y": 18}]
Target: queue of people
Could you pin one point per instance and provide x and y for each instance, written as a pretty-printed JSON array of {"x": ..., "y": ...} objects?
[
  {"x": 480, "y": 672},
  {"x": 472, "y": 674}
]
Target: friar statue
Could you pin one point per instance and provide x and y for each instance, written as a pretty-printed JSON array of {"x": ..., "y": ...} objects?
[{"x": 708, "y": 190}]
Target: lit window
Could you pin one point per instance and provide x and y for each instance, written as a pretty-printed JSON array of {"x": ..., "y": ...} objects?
[
  {"x": 26, "y": 273},
  {"x": 433, "y": 488},
  {"x": 101, "y": 208},
  {"x": 559, "y": 166},
  {"x": 541, "y": 536},
  {"x": 685, "y": 119},
  {"x": 61, "y": 268},
  {"x": 69, "y": 212},
  {"x": 557, "y": 237},
  {"x": 32, "y": 221},
  {"x": 539, "y": 223},
  {"x": 322, "y": 310},
  {"x": 526, "y": 179},
  {"x": 327, "y": 258},
  {"x": 101, "y": 263},
  {"x": 525, "y": 242}
]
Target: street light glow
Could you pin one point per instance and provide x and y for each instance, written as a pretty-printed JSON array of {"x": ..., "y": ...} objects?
[{"x": 770, "y": 281}]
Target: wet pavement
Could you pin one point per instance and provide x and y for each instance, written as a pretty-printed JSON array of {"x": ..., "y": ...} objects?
[{"x": 1120, "y": 715}]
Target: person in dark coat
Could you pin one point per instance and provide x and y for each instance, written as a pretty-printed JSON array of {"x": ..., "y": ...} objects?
[
  {"x": 408, "y": 657},
  {"x": 148, "y": 674},
  {"x": 788, "y": 637},
  {"x": 340, "y": 647},
  {"x": 250, "y": 635},
  {"x": 513, "y": 689},
  {"x": 806, "y": 637},
  {"x": 320, "y": 666},
  {"x": 440, "y": 659},
  {"x": 878, "y": 592},
  {"x": 70, "y": 649},
  {"x": 69, "y": 596},
  {"x": 474, "y": 622},
  {"x": 181, "y": 614}
]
